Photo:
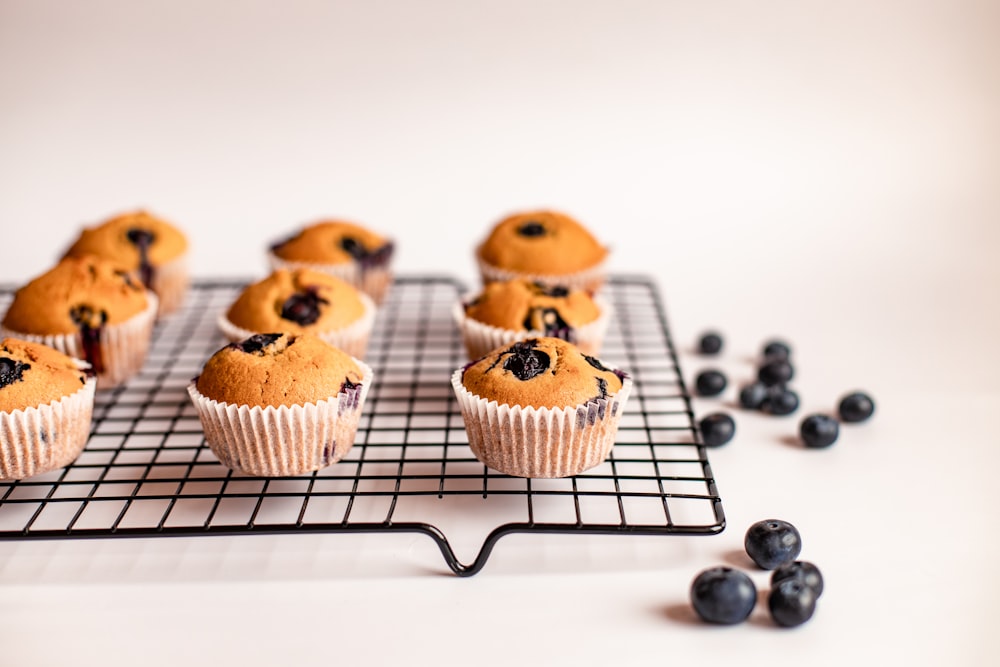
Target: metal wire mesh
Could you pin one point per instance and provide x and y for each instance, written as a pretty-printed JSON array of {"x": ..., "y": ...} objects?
[{"x": 146, "y": 470}]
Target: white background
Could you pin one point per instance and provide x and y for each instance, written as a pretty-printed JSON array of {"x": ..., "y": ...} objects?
[{"x": 826, "y": 172}]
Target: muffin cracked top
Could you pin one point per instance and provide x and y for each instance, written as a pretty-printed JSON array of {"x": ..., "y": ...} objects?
[
  {"x": 77, "y": 292},
  {"x": 32, "y": 374}
]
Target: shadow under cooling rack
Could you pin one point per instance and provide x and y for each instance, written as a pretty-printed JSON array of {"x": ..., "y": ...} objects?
[{"x": 146, "y": 470}]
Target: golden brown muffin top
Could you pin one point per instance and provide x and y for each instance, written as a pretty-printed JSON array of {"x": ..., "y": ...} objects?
[
  {"x": 132, "y": 240},
  {"x": 335, "y": 242},
  {"x": 274, "y": 369},
  {"x": 524, "y": 305},
  {"x": 78, "y": 291},
  {"x": 32, "y": 374},
  {"x": 297, "y": 301},
  {"x": 540, "y": 372},
  {"x": 541, "y": 243}
]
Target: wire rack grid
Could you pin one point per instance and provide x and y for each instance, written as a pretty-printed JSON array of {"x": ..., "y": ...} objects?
[{"x": 146, "y": 470}]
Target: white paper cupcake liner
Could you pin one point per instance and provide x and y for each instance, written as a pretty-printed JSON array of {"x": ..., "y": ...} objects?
[
  {"x": 352, "y": 339},
  {"x": 481, "y": 338},
  {"x": 540, "y": 442},
  {"x": 39, "y": 439},
  {"x": 590, "y": 280},
  {"x": 374, "y": 281},
  {"x": 286, "y": 440},
  {"x": 170, "y": 282},
  {"x": 123, "y": 346}
]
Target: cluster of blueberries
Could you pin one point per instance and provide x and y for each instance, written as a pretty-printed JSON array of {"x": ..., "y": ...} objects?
[
  {"x": 726, "y": 596},
  {"x": 771, "y": 394}
]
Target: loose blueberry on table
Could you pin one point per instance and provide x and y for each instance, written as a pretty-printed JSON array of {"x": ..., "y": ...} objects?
[
  {"x": 801, "y": 570},
  {"x": 819, "y": 430},
  {"x": 710, "y": 343},
  {"x": 710, "y": 382},
  {"x": 716, "y": 429},
  {"x": 723, "y": 595},
  {"x": 777, "y": 349},
  {"x": 791, "y": 602},
  {"x": 856, "y": 407},
  {"x": 780, "y": 401},
  {"x": 752, "y": 395},
  {"x": 772, "y": 542},
  {"x": 775, "y": 372}
]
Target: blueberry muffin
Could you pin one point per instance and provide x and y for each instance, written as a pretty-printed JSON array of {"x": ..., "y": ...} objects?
[
  {"x": 280, "y": 404},
  {"x": 541, "y": 408},
  {"x": 510, "y": 310},
  {"x": 46, "y": 402},
  {"x": 303, "y": 301},
  {"x": 548, "y": 247},
  {"x": 90, "y": 309},
  {"x": 343, "y": 249},
  {"x": 149, "y": 246}
]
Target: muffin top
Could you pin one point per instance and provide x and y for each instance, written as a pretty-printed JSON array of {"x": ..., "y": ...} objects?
[
  {"x": 335, "y": 242},
  {"x": 541, "y": 372},
  {"x": 524, "y": 305},
  {"x": 297, "y": 301},
  {"x": 541, "y": 243},
  {"x": 76, "y": 292},
  {"x": 32, "y": 374},
  {"x": 132, "y": 240},
  {"x": 273, "y": 369}
]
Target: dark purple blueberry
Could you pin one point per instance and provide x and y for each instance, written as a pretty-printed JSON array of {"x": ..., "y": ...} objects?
[
  {"x": 142, "y": 239},
  {"x": 717, "y": 429},
  {"x": 775, "y": 371},
  {"x": 856, "y": 407},
  {"x": 257, "y": 342},
  {"x": 524, "y": 361},
  {"x": 554, "y": 291},
  {"x": 353, "y": 247},
  {"x": 548, "y": 321},
  {"x": 11, "y": 371},
  {"x": 802, "y": 570},
  {"x": 302, "y": 307},
  {"x": 780, "y": 401},
  {"x": 710, "y": 343},
  {"x": 752, "y": 395},
  {"x": 90, "y": 322},
  {"x": 723, "y": 595},
  {"x": 771, "y": 542},
  {"x": 596, "y": 363},
  {"x": 84, "y": 315},
  {"x": 819, "y": 430},
  {"x": 710, "y": 382},
  {"x": 361, "y": 254},
  {"x": 777, "y": 349},
  {"x": 791, "y": 603},
  {"x": 531, "y": 229}
]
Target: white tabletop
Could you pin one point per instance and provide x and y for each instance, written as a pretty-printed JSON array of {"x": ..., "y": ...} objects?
[{"x": 823, "y": 174}]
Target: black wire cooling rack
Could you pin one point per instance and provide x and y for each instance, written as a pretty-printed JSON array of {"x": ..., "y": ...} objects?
[{"x": 146, "y": 470}]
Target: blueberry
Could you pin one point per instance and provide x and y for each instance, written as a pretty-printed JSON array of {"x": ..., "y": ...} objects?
[
  {"x": 710, "y": 383},
  {"x": 780, "y": 401},
  {"x": 723, "y": 595},
  {"x": 87, "y": 317},
  {"x": 802, "y": 570},
  {"x": 777, "y": 349},
  {"x": 775, "y": 371},
  {"x": 717, "y": 429},
  {"x": 753, "y": 395},
  {"x": 530, "y": 229},
  {"x": 555, "y": 291},
  {"x": 856, "y": 407},
  {"x": 819, "y": 430},
  {"x": 710, "y": 343},
  {"x": 257, "y": 342},
  {"x": 353, "y": 247},
  {"x": 791, "y": 603},
  {"x": 524, "y": 361},
  {"x": 302, "y": 307},
  {"x": 548, "y": 321},
  {"x": 140, "y": 238},
  {"x": 771, "y": 542},
  {"x": 11, "y": 371}
]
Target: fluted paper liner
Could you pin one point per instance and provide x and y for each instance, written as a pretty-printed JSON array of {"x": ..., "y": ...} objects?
[
  {"x": 170, "y": 281},
  {"x": 39, "y": 439},
  {"x": 374, "y": 280},
  {"x": 481, "y": 338},
  {"x": 590, "y": 280},
  {"x": 286, "y": 440},
  {"x": 525, "y": 441},
  {"x": 123, "y": 346},
  {"x": 352, "y": 339}
]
